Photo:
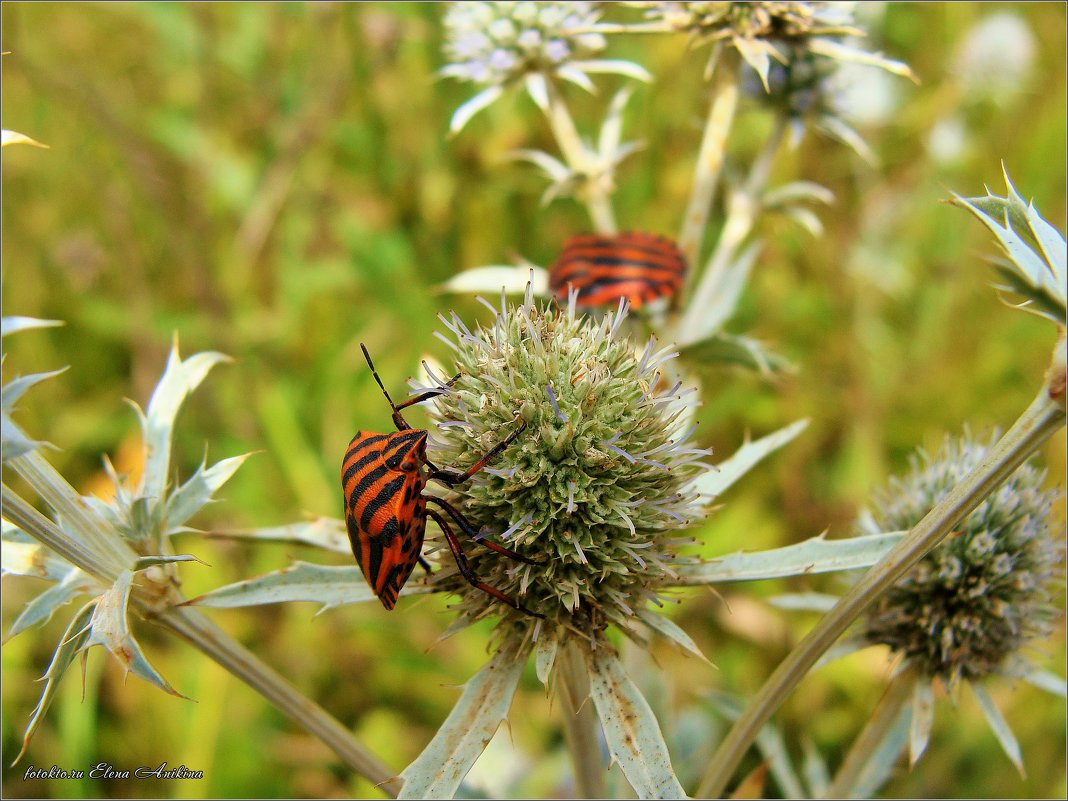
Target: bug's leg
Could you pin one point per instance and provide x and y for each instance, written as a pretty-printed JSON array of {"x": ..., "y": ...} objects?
[
  {"x": 452, "y": 477},
  {"x": 469, "y": 530},
  {"x": 398, "y": 421},
  {"x": 425, "y": 564},
  {"x": 465, "y": 568}
]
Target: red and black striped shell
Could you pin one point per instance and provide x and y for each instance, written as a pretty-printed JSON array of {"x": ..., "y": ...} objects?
[
  {"x": 638, "y": 266},
  {"x": 385, "y": 512}
]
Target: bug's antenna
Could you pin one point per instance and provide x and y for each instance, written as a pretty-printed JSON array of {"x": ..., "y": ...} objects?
[{"x": 374, "y": 372}]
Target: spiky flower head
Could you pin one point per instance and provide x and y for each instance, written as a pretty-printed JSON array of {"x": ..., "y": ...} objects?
[
  {"x": 496, "y": 42},
  {"x": 598, "y": 486},
  {"x": 775, "y": 19},
  {"x": 970, "y": 605}
]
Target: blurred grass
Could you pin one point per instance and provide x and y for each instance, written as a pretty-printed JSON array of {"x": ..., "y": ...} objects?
[{"x": 275, "y": 182}]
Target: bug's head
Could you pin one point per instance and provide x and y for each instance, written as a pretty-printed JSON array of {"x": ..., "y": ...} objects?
[{"x": 407, "y": 452}]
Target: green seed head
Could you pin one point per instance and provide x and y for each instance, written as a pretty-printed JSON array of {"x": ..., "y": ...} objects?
[
  {"x": 596, "y": 487},
  {"x": 975, "y": 600}
]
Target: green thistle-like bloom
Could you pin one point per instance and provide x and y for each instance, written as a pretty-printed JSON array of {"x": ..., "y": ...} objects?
[
  {"x": 969, "y": 606},
  {"x": 597, "y": 486}
]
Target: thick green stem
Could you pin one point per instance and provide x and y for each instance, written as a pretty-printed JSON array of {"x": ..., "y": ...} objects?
[
  {"x": 709, "y": 161},
  {"x": 896, "y": 698},
  {"x": 581, "y": 727},
  {"x": 1037, "y": 424},
  {"x": 595, "y": 189}
]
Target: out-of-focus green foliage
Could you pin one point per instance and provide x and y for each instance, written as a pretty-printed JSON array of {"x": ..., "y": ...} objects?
[{"x": 275, "y": 182}]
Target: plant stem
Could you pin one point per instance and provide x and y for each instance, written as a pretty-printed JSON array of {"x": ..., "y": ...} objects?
[
  {"x": 742, "y": 211},
  {"x": 1038, "y": 423},
  {"x": 595, "y": 188},
  {"x": 581, "y": 728},
  {"x": 709, "y": 160},
  {"x": 896, "y": 698}
]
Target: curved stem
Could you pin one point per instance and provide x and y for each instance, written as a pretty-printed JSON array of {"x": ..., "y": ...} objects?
[
  {"x": 886, "y": 713},
  {"x": 581, "y": 727},
  {"x": 594, "y": 190},
  {"x": 1038, "y": 423}
]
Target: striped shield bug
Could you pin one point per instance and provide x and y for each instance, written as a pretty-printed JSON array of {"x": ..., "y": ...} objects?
[
  {"x": 383, "y": 477},
  {"x": 634, "y": 265}
]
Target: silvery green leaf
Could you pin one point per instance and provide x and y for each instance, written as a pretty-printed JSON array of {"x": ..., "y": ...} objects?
[
  {"x": 837, "y": 128},
  {"x": 538, "y": 90},
  {"x": 1038, "y": 253},
  {"x": 922, "y": 720},
  {"x": 731, "y": 284},
  {"x": 145, "y": 562},
  {"x": 814, "y": 769},
  {"x": 110, "y": 628},
  {"x": 612, "y": 129},
  {"x": 1041, "y": 301},
  {"x": 13, "y": 442},
  {"x": 881, "y": 761},
  {"x": 494, "y": 278},
  {"x": 630, "y": 728},
  {"x": 770, "y": 743},
  {"x": 15, "y": 388},
  {"x": 328, "y": 585},
  {"x": 843, "y": 648},
  {"x": 41, "y": 608},
  {"x": 672, "y": 631},
  {"x": 716, "y": 482},
  {"x": 846, "y": 54},
  {"x": 15, "y": 138},
  {"x": 998, "y": 725},
  {"x": 73, "y": 640},
  {"x": 195, "y": 493},
  {"x": 814, "y": 555},
  {"x": 1044, "y": 680},
  {"x": 805, "y": 601},
  {"x": 439, "y": 769},
  {"x": 179, "y": 379},
  {"x": 614, "y": 66},
  {"x": 552, "y": 167},
  {"x": 465, "y": 112},
  {"x": 12, "y": 325},
  {"x": 733, "y": 349},
  {"x": 795, "y": 192},
  {"x": 571, "y": 73},
  {"x": 806, "y": 218},
  {"x": 545, "y": 657},
  {"x": 327, "y": 533},
  {"x": 756, "y": 54},
  {"x": 32, "y": 559}
]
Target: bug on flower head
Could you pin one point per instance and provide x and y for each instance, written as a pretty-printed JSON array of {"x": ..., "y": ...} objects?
[
  {"x": 383, "y": 476},
  {"x": 634, "y": 265}
]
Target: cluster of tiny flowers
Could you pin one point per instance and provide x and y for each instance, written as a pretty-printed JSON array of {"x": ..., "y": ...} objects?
[
  {"x": 966, "y": 609},
  {"x": 596, "y": 488},
  {"x": 497, "y": 42},
  {"x": 774, "y": 19}
]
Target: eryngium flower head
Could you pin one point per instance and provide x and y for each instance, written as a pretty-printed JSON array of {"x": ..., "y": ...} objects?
[
  {"x": 773, "y": 19},
  {"x": 966, "y": 609},
  {"x": 598, "y": 485},
  {"x": 493, "y": 43}
]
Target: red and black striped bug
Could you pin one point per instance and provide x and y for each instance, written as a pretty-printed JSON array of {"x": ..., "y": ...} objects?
[
  {"x": 634, "y": 265},
  {"x": 383, "y": 477}
]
